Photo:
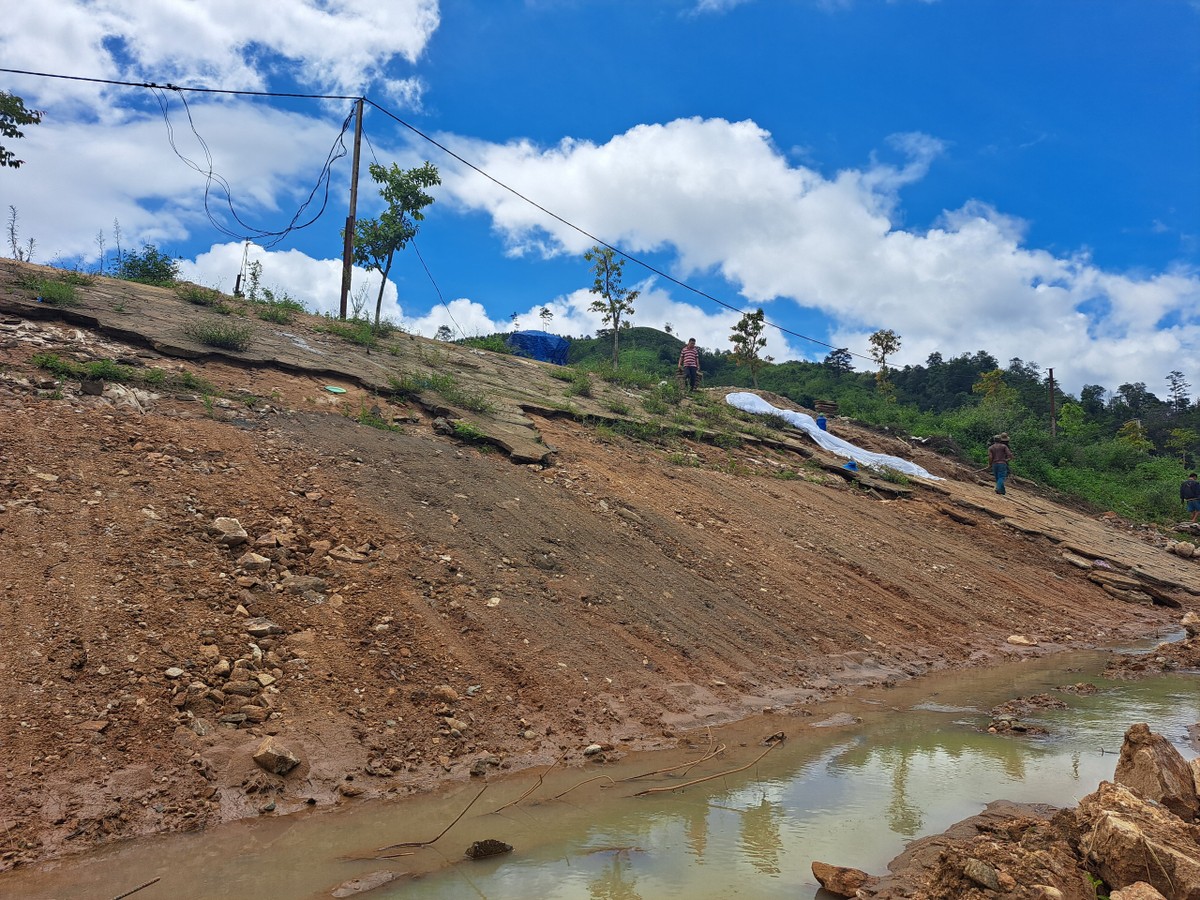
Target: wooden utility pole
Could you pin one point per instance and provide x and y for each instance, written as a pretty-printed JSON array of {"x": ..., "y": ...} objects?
[
  {"x": 1053, "y": 421},
  {"x": 348, "y": 244}
]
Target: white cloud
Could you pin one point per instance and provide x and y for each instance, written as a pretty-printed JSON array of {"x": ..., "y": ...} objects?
[
  {"x": 125, "y": 170},
  {"x": 331, "y": 46},
  {"x": 722, "y": 198}
]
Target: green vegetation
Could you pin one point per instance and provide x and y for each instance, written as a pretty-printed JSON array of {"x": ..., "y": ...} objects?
[
  {"x": 220, "y": 334},
  {"x": 147, "y": 266},
  {"x": 356, "y": 331},
  {"x": 376, "y": 241},
  {"x": 198, "y": 295},
  {"x": 411, "y": 385},
  {"x": 469, "y": 432},
  {"x": 493, "y": 342},
  {"x": 110, "y": 370}
]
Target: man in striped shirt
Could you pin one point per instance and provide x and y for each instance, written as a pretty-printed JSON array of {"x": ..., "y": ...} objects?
[{"x": 689, "y": 362}]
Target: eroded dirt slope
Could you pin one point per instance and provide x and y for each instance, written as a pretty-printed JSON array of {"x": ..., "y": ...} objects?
[{"x": 407, "y": 607}]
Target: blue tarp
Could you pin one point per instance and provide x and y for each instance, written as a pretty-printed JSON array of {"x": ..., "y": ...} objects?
[{"x": 540, "y": 345}]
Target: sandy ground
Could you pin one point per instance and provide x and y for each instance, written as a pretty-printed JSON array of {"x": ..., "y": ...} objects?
[{"x": 407, "y": 607}]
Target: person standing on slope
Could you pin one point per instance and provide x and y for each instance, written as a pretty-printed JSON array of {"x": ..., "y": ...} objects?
[
  {"x": 689, "y": 362},
  {"x": 1189, "y": 493},
  {"x": 999, "y": 456}
]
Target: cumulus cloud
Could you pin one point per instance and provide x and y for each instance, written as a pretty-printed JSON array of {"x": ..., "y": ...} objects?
[
  {"x": 719, "y": 197},
  {"x": 125, "y": 170},
  {"x": 332, "y": 47}
]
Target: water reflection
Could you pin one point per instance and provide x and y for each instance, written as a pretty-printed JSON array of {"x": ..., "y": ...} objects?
[
  {"x": 851, "y": 797},
  {"x": 617, "y": 881},
  {"x": 761, "y": 841}
]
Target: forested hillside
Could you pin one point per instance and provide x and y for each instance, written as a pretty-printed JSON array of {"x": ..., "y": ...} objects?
[{"x": 1122, "y": 448}]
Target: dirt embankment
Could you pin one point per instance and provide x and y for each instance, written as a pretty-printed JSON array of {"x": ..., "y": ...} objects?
[{"x": 407, "y": 606}]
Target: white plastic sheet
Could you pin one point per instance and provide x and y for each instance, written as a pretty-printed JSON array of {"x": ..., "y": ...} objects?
[{"x": 753, "y": 403}]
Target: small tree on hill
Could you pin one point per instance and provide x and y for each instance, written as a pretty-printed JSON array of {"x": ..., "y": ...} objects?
[
  {"x": 545, "y": 315},
  {"x": 149, "y": 266},
  {"x": 614, "y": 301},
  {"x": 839, "y": 362},
  {"x": 747, "y": 338},
  {"x": 377, "y": 240},
  {"x": 884, "y": 343}
]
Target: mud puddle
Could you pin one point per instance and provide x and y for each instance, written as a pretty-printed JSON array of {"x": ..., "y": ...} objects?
[{"x": 887, "y": 766}]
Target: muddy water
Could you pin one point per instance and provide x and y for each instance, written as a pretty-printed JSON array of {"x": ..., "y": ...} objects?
[{"x": 915, "y": 762}]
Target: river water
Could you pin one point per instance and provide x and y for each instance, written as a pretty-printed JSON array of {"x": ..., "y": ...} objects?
[{"x": 853, "y": 793}]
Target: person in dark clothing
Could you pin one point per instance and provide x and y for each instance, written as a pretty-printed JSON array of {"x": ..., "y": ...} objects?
[
  {"x": 1189, "y": 493},
  {"x": 689, "y": 362},
  {"x": 999, "y": 456}
]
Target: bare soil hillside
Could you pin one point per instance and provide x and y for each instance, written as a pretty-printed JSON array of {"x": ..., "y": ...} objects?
[{"x": 407, "y": 601}]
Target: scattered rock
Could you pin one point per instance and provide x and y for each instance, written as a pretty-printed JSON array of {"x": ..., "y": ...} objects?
[
  {"x": 444, "y": 693},
  {"x": 364, "y": 883},
  {"x": 1127, "y": 840},
  {"x": 253, "y": 562},
  {"x": 489, "y": 847},
  {"x": 1020, "y": 640},
  {"x": 1139, "y": 890},
  {"x": 840, "y": 880},
  {"x": 275, "y": 757},
  {"x": 228, "y": 532},
  {"x": 1151, "y": 767},
  {"x": 1191, "y": 624}
]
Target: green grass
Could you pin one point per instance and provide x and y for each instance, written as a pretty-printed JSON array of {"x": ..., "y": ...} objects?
[
  {"x": 365, "y": 416},
  {"x": 110, "y": 370},
  {"x": 97, "y": 370},
  {"x": 469, "y": 432},
  {"x": 281, "y": 311},
  {"x": 198, "y": 295},
  {"x": 53, "y": 291},
  {"x": 619, "y": 407},
  {"x": 410, "y": 385},
  {"x": 356, "y": 331},
  {"x": 580, "y": 386},
  {"x": 222, "y": 335},
  {"x": 493, "y": 342}
]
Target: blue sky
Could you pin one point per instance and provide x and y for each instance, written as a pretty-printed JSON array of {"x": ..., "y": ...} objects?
[{"x": 1018, "y": 176}]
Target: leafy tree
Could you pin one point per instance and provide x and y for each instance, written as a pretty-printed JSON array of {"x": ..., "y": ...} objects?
[
  {"x": 884, "y": 343},
  {"x": 1134, "y": 435},
  {"x": 1178, "y": 388},
  {"x": 747, "y": 338},
  {"x": 444, "y": 333},
  {"x": 1182, "y": 440},
  {"x": 614, "y": 301},
  {"x": 149, "y": 266},
  {"x": 840, "y": 362},
  {"x": 992, "y": 387},
  {"x": 13, "y": 117},
  {"x": 513, "y": 318},
  {"x": 545, "y": 315},
  {"x": 377, "y": 240}
]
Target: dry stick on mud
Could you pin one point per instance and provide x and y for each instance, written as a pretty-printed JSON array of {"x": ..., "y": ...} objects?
[
  {"x": 140, "y": 887},
  {"x": 679, "y": 787},
  {"x": 537, "y": 784},
  {"x": 582, "y": 783},
  {"x": 440, "y": 835},
  {"x": 687, "y": 766}
]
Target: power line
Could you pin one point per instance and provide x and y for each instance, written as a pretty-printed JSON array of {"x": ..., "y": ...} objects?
[
  {"x": 175, "y": 87},
  {"x": 592, "y": 237},
  {"x": 641, "y": 262}
]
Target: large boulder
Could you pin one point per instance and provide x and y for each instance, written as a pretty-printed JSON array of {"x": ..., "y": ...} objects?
[
  {"x": 1151, "y": 767},
  {"x": 1025, "y": 849},
  {"x": 840, "y": 880},
  {"x": 1126, "y": 839},
  {"x": 275, "y": 757}
]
